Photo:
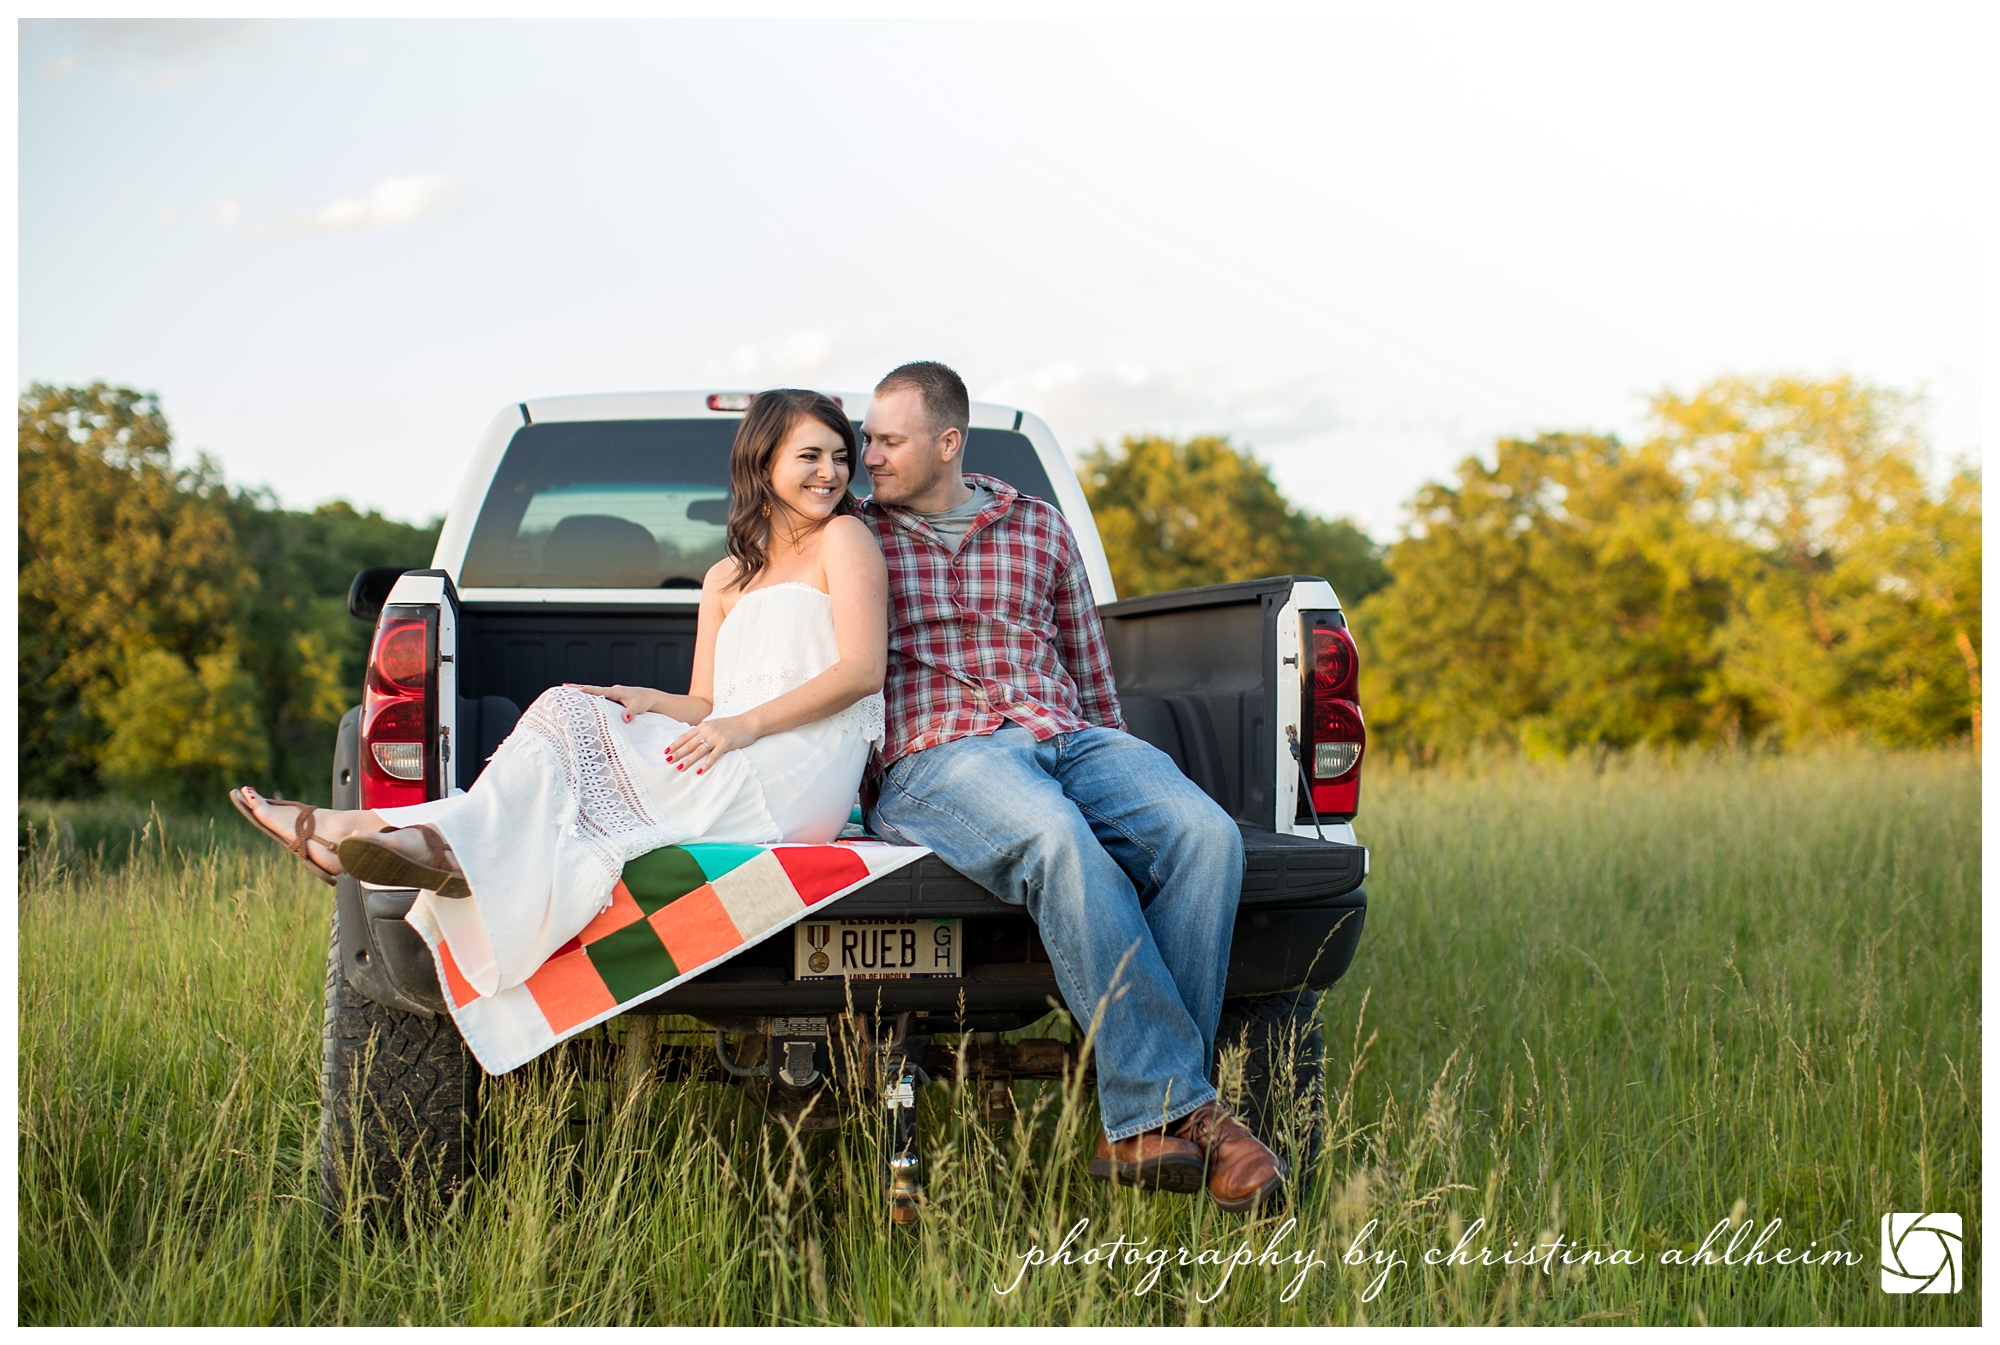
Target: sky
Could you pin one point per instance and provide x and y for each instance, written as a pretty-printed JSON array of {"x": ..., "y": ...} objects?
[{"x": 1364, "y": 245}]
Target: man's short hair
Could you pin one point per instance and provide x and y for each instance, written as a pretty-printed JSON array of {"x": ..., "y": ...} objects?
[{"x": 943, "y": 392}]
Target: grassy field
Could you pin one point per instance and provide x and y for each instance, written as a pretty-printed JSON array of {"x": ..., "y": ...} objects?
[{"x": 1619, "y": 1007}]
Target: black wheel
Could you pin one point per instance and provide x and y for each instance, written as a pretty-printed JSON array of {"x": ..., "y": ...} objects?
[
  {"x": 398, "y": 1095},
  {"x": 1283, "y": 1085}
]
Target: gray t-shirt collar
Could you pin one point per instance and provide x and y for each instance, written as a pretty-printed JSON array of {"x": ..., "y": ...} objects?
[{"x": 951, "y": 525}]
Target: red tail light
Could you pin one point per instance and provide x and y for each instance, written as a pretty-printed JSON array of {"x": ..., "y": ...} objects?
[
  {"x": 1336, "y": 737},
  {"x": 399, "y": 711}
]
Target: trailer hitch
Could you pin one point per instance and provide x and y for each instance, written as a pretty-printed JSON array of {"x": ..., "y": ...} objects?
[
  {"x": 859, "y": 1059},
  {"x": 901, "y": 1072}
]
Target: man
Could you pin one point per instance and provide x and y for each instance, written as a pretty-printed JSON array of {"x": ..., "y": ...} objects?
[{"x": 1006, "y": 754}]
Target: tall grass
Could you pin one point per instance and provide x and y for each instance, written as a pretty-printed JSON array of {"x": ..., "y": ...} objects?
[{"x": 1620, "y": 1006}]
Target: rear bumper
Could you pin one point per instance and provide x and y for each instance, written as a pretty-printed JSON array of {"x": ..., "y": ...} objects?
[{"x": 1270, "y": 952}]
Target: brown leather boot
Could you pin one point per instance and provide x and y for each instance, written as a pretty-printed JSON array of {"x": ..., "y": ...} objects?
[
  {"x": 1242, "y": 1173},
  {"x": 1152, "y": 1159}
]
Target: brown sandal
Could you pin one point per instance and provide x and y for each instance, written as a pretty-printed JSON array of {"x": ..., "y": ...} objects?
[
  {"x": 302, "y": 831},
  {"x": 373, "y": 862}
]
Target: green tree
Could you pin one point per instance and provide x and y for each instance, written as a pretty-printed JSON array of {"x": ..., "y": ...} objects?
[
  {"x": 1769, "y": 567},
  {"x": 128, "y": 582},
  {"x": 1180, "y": 514},
  {"x": 1860, "y": 610},
  {"x": 1931, "y": 560},
  {"x": 305, "y": 653},
  {"x": 1558, "y": 598},
  {"x": 175, "y": 638}
]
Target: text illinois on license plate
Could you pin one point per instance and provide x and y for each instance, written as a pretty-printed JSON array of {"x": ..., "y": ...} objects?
[{"x": 874, "y": 950}]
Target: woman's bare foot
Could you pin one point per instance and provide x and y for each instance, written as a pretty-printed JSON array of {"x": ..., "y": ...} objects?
[{"x": 330, "y": 826}]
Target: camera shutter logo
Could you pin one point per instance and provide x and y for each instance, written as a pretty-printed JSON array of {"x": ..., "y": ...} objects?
[{"x": 1922, "y": 1253}]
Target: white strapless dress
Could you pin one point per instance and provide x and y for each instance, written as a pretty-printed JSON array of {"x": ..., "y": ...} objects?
[{"x": 544, "y": 833}]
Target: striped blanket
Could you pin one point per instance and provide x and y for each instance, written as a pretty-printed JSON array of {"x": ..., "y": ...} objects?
[{"x": 675, "y": 913}]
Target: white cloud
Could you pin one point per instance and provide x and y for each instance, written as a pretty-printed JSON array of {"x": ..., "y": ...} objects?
[
  {"x": 150, "y": 54},
  {"x": 1102, "y": 405},
  {"x": 158, "y": 39},
  {"x": 814, "y": 358},
  {"x": 392, "y": 203},
  {"x": 1324, "y": 457},
  {"x": 160, "y": 79},
  {"x": 229, "y": 213},
  {"x": 168, "y": 214}
]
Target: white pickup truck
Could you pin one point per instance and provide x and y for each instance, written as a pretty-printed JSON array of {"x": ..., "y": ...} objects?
[{"x": 574, "y": 552}]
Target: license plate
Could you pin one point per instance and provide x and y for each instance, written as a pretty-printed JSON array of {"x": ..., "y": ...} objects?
[{"x": 875, "y": 950}]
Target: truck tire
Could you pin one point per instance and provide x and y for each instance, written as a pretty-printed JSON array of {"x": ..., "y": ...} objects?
[
  {"x": 417, "y": 1089},
  {"x": 1284, "y": 1072}
]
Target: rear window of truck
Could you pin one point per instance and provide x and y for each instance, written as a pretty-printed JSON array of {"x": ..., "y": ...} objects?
[{"x": 642, "y": 503}]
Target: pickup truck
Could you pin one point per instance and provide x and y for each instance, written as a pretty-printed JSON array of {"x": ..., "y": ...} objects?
[{"x": 574, "y": 552}]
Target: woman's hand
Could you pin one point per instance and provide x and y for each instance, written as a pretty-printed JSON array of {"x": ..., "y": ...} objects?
[
  {"x": 636, "y": 700},
  {"x": 703, "y": 744}
]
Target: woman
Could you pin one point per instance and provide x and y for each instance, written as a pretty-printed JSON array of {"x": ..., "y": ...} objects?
[{"x": 768, "y": 744}]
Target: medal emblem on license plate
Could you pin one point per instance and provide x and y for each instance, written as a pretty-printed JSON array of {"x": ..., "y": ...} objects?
[{"x": 875, "y": 950}]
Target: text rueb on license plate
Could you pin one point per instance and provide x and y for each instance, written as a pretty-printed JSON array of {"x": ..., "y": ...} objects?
[{"x": 875, "y": 950}]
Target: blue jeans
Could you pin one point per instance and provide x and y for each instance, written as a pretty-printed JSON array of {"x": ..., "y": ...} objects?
[{"x": 1130, "y": 872}]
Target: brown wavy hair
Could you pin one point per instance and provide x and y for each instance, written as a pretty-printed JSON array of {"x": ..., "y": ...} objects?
[{"x": 770, "y": 418}]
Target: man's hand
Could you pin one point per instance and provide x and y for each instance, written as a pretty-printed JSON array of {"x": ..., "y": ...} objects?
[
  {"x": 636, "y": 700},
  {"x": 703, "y": 744}
]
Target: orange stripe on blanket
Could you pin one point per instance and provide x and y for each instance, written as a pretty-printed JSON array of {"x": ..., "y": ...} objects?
[
  {"x": 569, "y": 991},
  {"x": 462, "y": 992},
  {"x": 621, "y": 912},
  {"x": 696, "y": 929}
]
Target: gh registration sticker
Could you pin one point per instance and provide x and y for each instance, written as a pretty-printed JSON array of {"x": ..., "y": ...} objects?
[{"x": 875, "y": 950}]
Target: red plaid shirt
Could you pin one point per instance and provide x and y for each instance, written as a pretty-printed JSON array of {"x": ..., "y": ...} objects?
[{"x": 1004, "y": 629}]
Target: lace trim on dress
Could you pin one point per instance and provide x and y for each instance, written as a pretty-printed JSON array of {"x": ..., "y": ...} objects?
[
  {"x": 864, "y": 717},
  {"x": 789, "y": 583},
  {"x": 607, "y": 808},
  {"x": 867, "y": 717}
]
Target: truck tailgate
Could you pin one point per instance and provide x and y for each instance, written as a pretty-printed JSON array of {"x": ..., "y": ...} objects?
[{"x": 1280, "y": 871}]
